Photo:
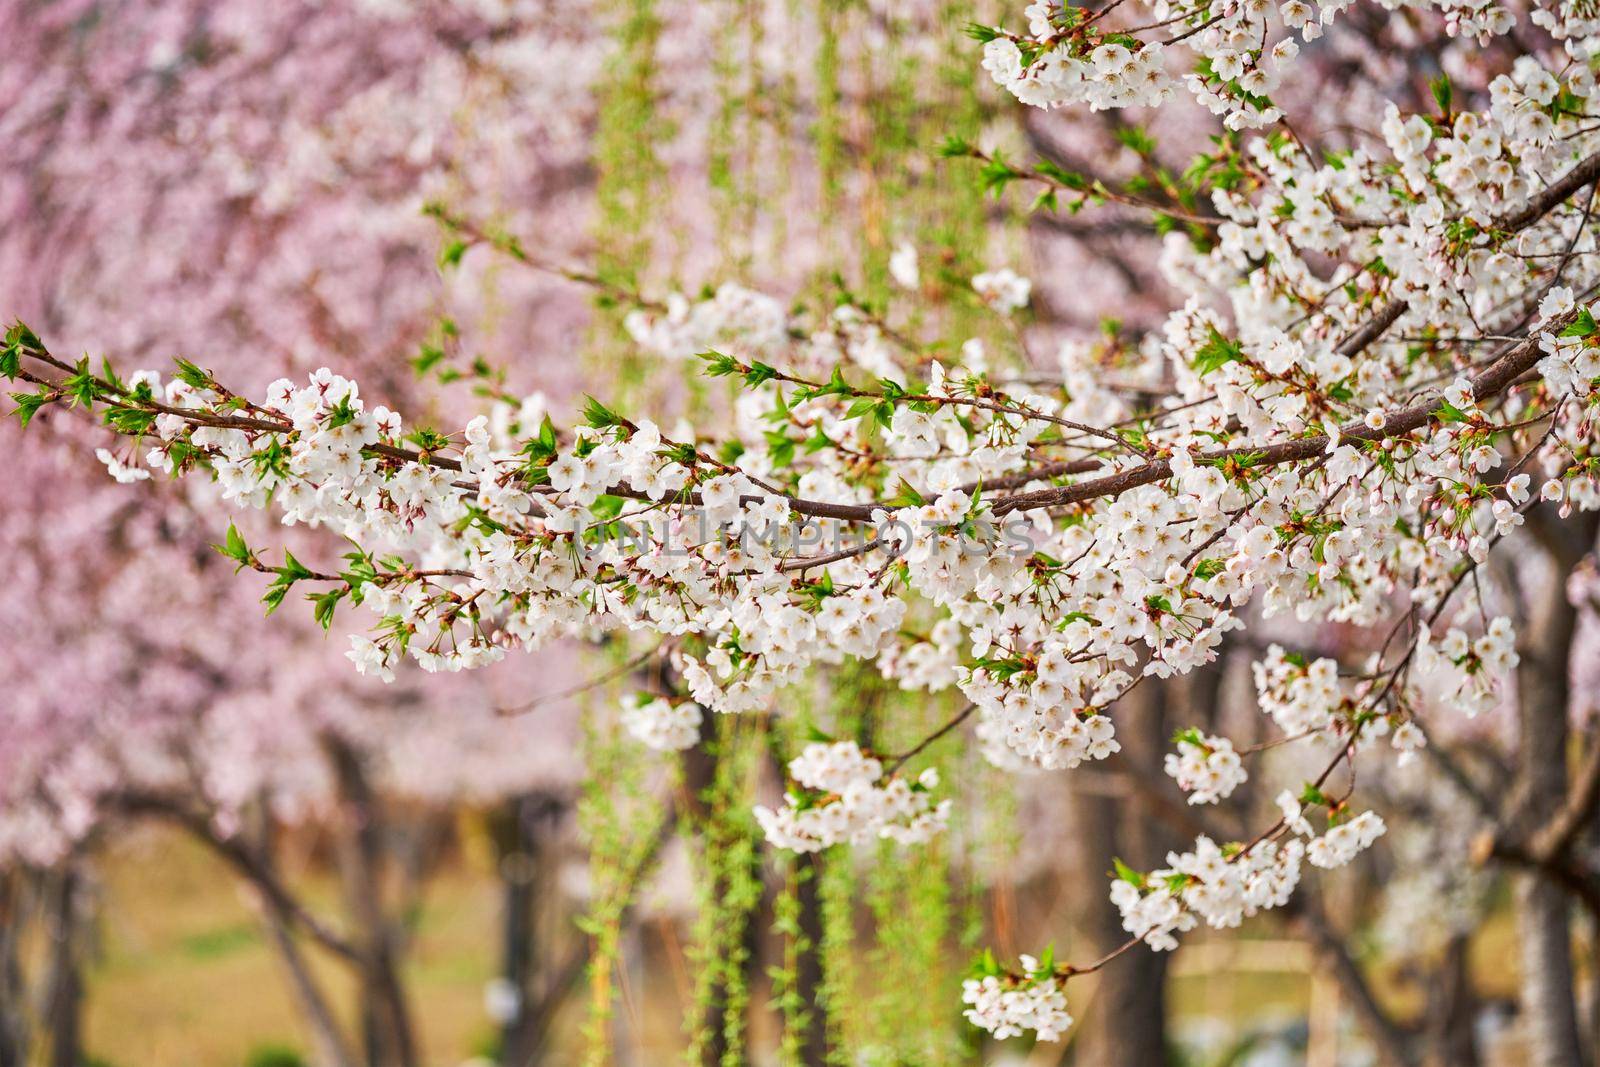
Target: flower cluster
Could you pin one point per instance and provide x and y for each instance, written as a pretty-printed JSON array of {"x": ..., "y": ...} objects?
[
  {"x": 1008, "y": 1005},
  {"x": 846, "y": 799},
  {"x": 1226, "y": 884},
  {"x": 1463, "y": 674},
  {"x": 1222, "y": 885},
  {"x": 1109, "y": 76},
  {"x": 733, "y": 317},
  {"x": 1004, "y": 290},
  {"x": 1205, "y": 766},
  {"x": 1344, "y": 841},
  {"x": 662, "y": 724},
  {"x": 1301, "y": 697},
  {"x": 1346, "y": 837},
  {"x": 1240, "y": 54}
]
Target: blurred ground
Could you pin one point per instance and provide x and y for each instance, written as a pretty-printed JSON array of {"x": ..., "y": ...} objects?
[
  {"x": 182, "y": 976},
  {"x": 185, "y": 978}
]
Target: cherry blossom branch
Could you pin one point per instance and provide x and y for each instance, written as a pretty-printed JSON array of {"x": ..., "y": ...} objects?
[
  {"x": 1498, "y": 375},
  {"x": 1505, "y": 369}
]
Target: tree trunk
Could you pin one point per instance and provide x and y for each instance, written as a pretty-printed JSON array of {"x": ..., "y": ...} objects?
[
  {"x": 329, "y": 1048},
  {"x": 1333, "y": 956},
  {"x": 64, "y": 989},
  {"x": 1544, "y": 928},
  {"x": 808, "y": 976},
  {"x": 13, "y": 985},
  {"x": 1451, "y": 1009},
  {"x": 523, "y": 830},
  {"x": 722, "y": 1020},
  {"x": 1593, "y": 997},
  {"x": 327, "y": 1041},
  {"x": 811, "y": 1049},
  {"x": 385, "y": 1014},
  {"x": 1544, "y": 917},
  {"x": 1124, "y": 1021},
  {"x": 699, "y": 772}
]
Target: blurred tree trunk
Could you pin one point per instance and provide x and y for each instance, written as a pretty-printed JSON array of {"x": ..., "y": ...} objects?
[
  {"x": 1544, "y": 933},
  {"x": 385, "y": 1014},
  {"x": 330, "y": 1048},
  {"x": 699, "y": 774},
  {"x": 63, "y": 1018},
  {"x": 1452, "y": 1008},
  {"x": 327, "y": 1040},
  {"x": 808, "y": 967},
  {"x": 812, "y": 1046},
  {"x": 1125, "y": 1018},
  {"x": 1544, "y": 911},
  {"x": 1593, "y": 998},
  {"x": 523, "y": 830},
  {"x": 13, "y": 984},
  {"x": 1334, "y": 957},
  {"x": 732, "y": 872}
]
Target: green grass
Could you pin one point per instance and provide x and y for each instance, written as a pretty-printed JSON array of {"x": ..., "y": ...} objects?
[{"x": 183, "y": 976}]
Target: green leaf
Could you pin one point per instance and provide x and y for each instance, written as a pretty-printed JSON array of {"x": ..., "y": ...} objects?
[
  {"x": 781, "y": 447},
  {"x": 427, "y": 357},
  {"x": 1069, "y": 179},
  {"x": 292, "y": 570},
  {"x": 986, "y": 966},
  {"x": 191, "y": 375},
  {"x": 234, "y": 548},
  {"x": 1137, "y": 139},
  {"x": 342, "y": 414},
  {"x": 719, "y": 364},
  {"x": 450, "y": 255},
  {"x": 1443, "y": 93},
  {"x": 907, "y": 496},
  {"x": 132, "y": 421},
  {"x": 361, "y": 572},
  {"x": 28, "y": 405},
  {"x": 19, "y": 336},
  {"x": 428, "y": 440},
  {"x": 955, "y": 148},
  {"x": 606, "y": 506},
  {"x": 862, "y": 406},
  {"x": 759, "y": 373},
  {"x": 598, "y": 416},
  {"x": 1215, "y": 353},
  {"x": 324, "y": 605},
  {"x": 274, "y": 597},
  {"x": 997, "y": 174},
  {"x": 1582, "y": 326},
  {"x": 1128, "y": 874},
  {"x": 109, "y": 373},
  {"x": 81, "y": 387},
  {"x": 1189, "y": 736}
]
